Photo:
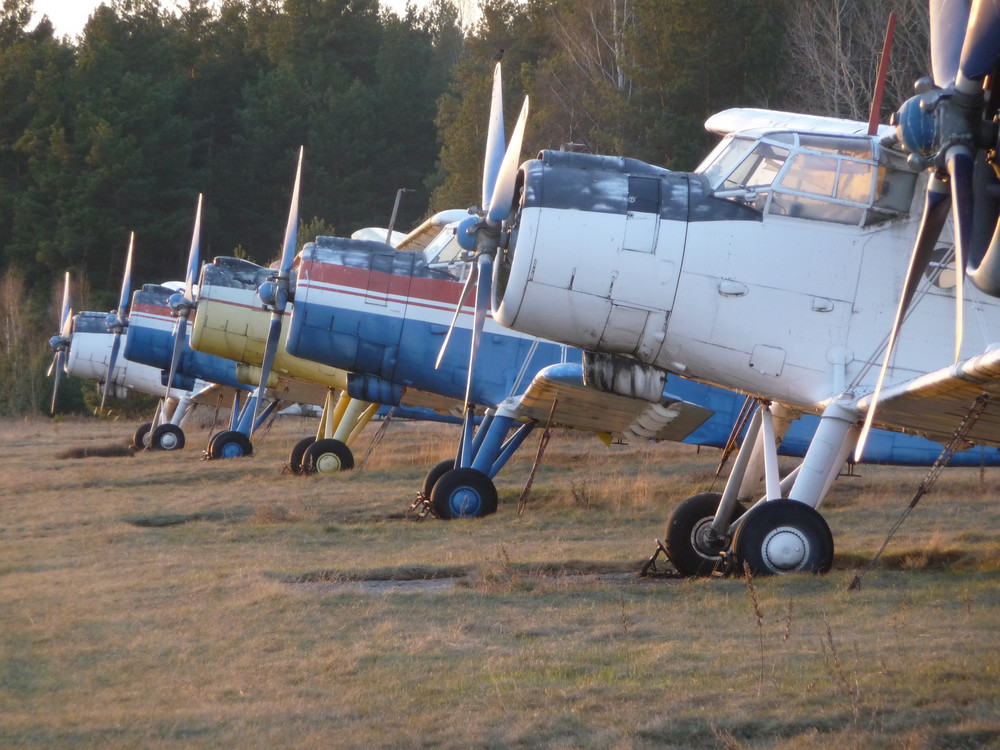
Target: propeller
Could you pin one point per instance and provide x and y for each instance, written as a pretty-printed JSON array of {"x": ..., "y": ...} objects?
[
  {"x": 942, "y": 129},
  {"x": 479, "y": 235},
  {"x": 182, "y": 303},
  {"x": 118, "y": 319},
  {"x": 274, "y": 292},
  {"x": 60, "y": 343}
]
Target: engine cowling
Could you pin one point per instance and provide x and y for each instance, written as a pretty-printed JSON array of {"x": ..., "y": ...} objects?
[
  {"x": 595, "y": 250},
  {"x": 583, "y": 222}
]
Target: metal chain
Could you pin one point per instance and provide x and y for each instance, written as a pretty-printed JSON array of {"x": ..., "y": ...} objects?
[
  {"x": 957, "y": 439},
  {"x": 377, "y": 438}
]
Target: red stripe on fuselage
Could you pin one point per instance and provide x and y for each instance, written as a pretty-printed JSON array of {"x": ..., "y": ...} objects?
[{"x": 416, "y": 289}]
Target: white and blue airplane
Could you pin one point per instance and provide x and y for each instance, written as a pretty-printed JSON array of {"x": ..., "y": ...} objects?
[
  {"x": 382, "y": 313},
  {"x": 772, "y": 270},
  {"x": 85, "y": 347}
]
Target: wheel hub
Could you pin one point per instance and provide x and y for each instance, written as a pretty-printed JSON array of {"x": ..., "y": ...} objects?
[
  {"x": 232, "y": 450},
  {"x": 785, "y": 548},
  {"x": 168, "y": 441},
  {"x": 706, "y": 542},
  {"x": 464, "y": 502},
  {"x": 327, "y": 463}
]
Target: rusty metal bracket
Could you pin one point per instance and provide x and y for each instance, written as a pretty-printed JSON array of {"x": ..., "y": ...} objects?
[
  {"x": 650, "y": 565},
  {"x": 420, "y": 508}
]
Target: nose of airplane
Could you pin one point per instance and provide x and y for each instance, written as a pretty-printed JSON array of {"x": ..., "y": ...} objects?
[{"x": 593, "y": 252}]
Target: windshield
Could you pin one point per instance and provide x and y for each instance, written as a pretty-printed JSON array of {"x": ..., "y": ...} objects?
[
  {"x": 809, "y": 176},
  {"x": 444, "y": 248}
]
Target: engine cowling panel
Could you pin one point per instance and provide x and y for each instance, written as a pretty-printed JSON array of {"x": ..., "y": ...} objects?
[{"x": 583, "y": 222}]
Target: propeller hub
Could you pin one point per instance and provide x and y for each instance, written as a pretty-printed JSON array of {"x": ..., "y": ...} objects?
[
  {"x": 179, "y": 303},
  {"x": 59, "y": 343},
  {"x": 115, "y": 324},
  {"x": 915, "y": 126},
  {"x": 273, "y": 294},
  {"x": 467, "y": 231}
]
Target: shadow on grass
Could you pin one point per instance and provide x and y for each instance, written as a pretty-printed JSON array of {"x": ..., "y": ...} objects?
[
  {"x": 157, "y": 520},
  {"x": 114, "y": 450}
]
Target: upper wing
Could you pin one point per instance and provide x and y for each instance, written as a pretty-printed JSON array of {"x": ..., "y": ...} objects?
[
  {"x": 935, "y": 404},
  {"x": 424, "y": 234},
  {"x": 584, "y": 408}
]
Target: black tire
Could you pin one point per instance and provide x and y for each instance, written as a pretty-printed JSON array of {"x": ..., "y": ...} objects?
[
  {"x": 298, "y": 452},
  {"x": 464, "y": 493},
  {"x": 139, "y": 438},
  {"x": 230, "y": 444},
  {"x": 167, "y": 437},
  {"x": 783, "y": 536},
  {"x": 688, "y": 545},
  {"x": 327, "y": 456},
  {"x": 436, "y": 472}
]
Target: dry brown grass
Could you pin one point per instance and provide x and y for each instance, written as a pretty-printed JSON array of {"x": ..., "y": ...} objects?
[{"x": 162, "y": 600}]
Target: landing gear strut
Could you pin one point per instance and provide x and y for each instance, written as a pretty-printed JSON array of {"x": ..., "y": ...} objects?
[{"x": 777, "y": 535}]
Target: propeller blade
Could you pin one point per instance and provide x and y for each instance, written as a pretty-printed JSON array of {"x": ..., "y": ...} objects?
[
  {"x": 270, "y": 351},
  {"x": 494, "y": 140},
  {"x": 281, "y": 284},
  {"x": 56, "y": 369},
  {"x": 936, "y": 205},
  {"x": 292, "y": 228},
  {"x": 175, "y": 356},
  {"x": 948, "y": 21},
  {"x": 503, "y": 193},
  {"x": 483, "y": 288},
  {"x": 960, "y": 179},
  {"x": 981, "y": 49},
  {"x": 64, "y": 310},
  {"x": 123, "y": 300},
  {"x": 59, "y": 358},
  {"x": 193, "y": 255},
  {"x": 184, "y": 309},
  {"x": 473, "y": 274},
  {"x": 109, "y": 375}
]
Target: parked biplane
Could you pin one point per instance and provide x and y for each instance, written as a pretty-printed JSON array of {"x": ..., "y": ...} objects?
[
  {"x": 770, "y": 270},
  {"x": 381, "y": 313}
]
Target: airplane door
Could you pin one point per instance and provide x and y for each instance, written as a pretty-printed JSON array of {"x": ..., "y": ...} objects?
[
  {"x": 379, "y": 278},
  {"x": 643, "y": 217}
]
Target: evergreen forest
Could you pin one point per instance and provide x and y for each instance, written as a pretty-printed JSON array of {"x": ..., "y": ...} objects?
[{"x": 121, "y": 128}]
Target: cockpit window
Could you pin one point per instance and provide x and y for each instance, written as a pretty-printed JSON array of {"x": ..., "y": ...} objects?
[
  {"x": 724, "y": 159},
  {"x": 444, "y": 248},
  {"x": 759, "y": 169},
  {"x": 804, "y": 175}
]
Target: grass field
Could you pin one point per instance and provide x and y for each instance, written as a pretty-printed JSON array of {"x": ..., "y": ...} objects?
[{"x": 163, "y": 601}]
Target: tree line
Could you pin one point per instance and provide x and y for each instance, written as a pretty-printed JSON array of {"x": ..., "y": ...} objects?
[{"x": 120, "y": 129}]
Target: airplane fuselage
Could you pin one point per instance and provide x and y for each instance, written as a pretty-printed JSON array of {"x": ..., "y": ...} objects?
[
  {"x": 91, "y": 349},
  {"x": 776, "y": 299},
  {"x": 383, "y": 314}
]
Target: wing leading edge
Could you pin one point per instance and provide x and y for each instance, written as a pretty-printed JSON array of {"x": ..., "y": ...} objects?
[{"x": 935, "y": 404}]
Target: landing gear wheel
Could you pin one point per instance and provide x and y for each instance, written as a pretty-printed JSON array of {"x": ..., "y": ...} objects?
[
  {"x": 140, "y": 439},
  {"x": 167, "y": 437},
  {"x": 327, "y": 456},
  {"x": 437, "y": 471},
  {"x": 230, "y": 444},
  {"x": 298, "y": 452},
  {"x": 687, "y": 539},
  {"x": 464, "y": 493},
  {"x": 783, "y": 536}
]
